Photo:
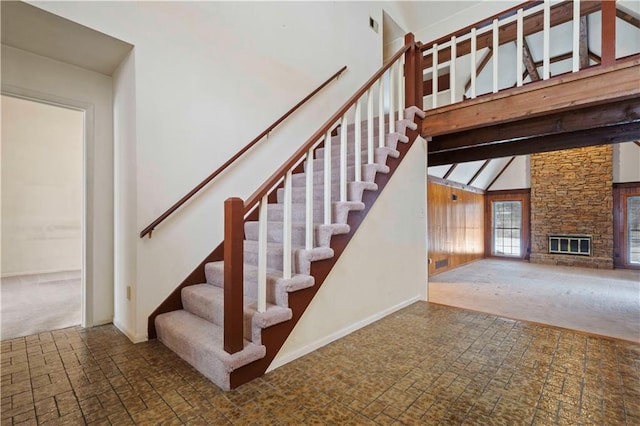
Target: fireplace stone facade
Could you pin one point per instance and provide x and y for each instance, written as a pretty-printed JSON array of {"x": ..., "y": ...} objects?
[{"x": 572, "y": 193}]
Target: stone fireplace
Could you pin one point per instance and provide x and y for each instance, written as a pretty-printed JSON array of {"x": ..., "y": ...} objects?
[{"x": 572, "y": 198}]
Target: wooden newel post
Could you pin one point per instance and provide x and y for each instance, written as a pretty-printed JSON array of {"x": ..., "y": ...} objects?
[
  {"x": 412, "y": 73},
  {"x": 233, "y": 274}
]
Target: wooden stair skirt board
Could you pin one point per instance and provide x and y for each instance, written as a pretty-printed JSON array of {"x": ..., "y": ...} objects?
[{"x": 190, "y": 320}]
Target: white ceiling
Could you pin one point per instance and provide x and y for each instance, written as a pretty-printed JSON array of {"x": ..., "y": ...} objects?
[{"x": 34, "y": 30}]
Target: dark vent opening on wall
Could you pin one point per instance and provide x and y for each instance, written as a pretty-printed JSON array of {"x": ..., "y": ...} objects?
[
  {"x": 570, "y": 244},
  {"x": 442, "y": 263}
]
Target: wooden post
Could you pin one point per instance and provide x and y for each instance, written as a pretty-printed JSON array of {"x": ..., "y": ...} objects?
[
  {"x": 233, "y": 274},
  {"x": 412, "y": 90},
  {"x": 608, "y": 32}
]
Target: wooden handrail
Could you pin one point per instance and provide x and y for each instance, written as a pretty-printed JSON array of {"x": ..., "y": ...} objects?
[
  {"x": 149, "y": 229},
  {"x": 586, "y": 7},
  {"x": 481, "y": 24},
  {"x": 295, "y": 158}
]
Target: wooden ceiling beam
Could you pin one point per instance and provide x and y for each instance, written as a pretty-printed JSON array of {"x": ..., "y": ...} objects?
[
  {"x": 483, "y": 63},
  {"x": 480, "y": 170},
  {"x": 529, "y": 63},
  {"x": 595, "y": 58},
  {"x": 583, "y": 45},
  {"x": 555, "y": 59},
  {"x": 451, "y": 169},
  {"x": 560, "y": 14},
  {"x": 506, "y": 166},
  {"x": 593, "y": 86},
  {"x": 578, "y": 139},
  {"x": 628, "y": 18},
  {"x": 627, "y": 111}
]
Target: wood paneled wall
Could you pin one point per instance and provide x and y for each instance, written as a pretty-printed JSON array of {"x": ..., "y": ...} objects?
[{"x": 455, "y": 227}]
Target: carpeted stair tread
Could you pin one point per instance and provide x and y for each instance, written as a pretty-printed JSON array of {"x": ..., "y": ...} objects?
[
  {"x": 368, "y": 174},
  {"x": 354, "y": 192},
  {"x": 380, "y": 157},
  {"x": 392, "y": 140},
  {"x": 277, "y": 285},
  {"x": 322, "y": 233},
  {"x": 200, "y": 343},
  {"x": 301, "y": 258},
  {"x": 205, "y": 301},
  {"x": 273, "y": 315},
  {"x": 340, "y": 211}
]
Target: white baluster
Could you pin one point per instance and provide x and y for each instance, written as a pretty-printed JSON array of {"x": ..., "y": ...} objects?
[
  {"x": 286, "y": 232},
  {"x": 309, "y": 202},
  {"x": 370, "y": 126},
  {"x": 452, "y": 69},
  {"x": 381, "y": 132},
  {"x": 400, "y": 88},
  {"x": 434, "y": 78},
  {"x": 392, "y": 115},
  {"x": 343, "y": 159},
  {"x": 576, "y": 35},
  {"x": 474, "y": 62},
  {"x": 262, "y": 255},
  {"x": 357, "y": 142},
  {"x": 496, "y": 46},
  {"x": 327, "y": 178},
  {"x": 546, "y": 31},
  {"x": 520, "y": 48}
]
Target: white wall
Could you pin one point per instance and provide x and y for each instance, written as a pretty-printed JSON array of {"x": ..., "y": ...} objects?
[
  {"x": 209, "y": 76},
  {"x": 626, "y": 162},
  {"x": 42, "y": 78},
  {"x": 440, "y": 18},
  {"x": 516, "y": 176},
  {"x": 41, "y": 187},
  {"x": 382, "y": 269},
  {"x": 125, "y": 200}
]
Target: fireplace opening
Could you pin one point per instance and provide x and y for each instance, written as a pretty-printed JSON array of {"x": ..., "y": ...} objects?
[{"x": 570, "y": 244}]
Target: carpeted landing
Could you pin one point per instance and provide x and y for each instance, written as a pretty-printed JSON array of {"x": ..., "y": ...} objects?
[{"x": 603, "y": 302}]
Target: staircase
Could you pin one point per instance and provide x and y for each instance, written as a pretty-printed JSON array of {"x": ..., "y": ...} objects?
[
  {"x": 229, "y": 319},
  {"x": 196, "y": 332}
]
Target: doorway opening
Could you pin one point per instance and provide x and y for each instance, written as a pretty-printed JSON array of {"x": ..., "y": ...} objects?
[{"x": 42, "y": 216}]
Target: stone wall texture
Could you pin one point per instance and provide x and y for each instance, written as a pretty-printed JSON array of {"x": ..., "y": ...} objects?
[{"x": 572, "y": 193}]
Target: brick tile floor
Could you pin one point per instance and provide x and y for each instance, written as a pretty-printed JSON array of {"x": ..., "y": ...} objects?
[{"x": 424, "y": 365}]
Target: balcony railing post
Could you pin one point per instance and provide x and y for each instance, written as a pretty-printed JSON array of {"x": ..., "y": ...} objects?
[
  {"x": 608, "y": 32},
  {"x": 233, "y": 274}
]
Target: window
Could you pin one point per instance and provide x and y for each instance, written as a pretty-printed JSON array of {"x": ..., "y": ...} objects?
[
  {"x": 633, "y": 229},
  {"x": 507, "y": 228}
]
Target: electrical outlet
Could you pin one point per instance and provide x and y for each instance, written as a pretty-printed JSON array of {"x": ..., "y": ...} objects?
[{"x": 128, "y": 292}]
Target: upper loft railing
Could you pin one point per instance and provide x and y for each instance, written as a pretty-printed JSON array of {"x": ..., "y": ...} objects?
[
  {"x": 524, "y": 29},
  {"x": 149, "y": 229},
  {"x": 402, "y": 73}
]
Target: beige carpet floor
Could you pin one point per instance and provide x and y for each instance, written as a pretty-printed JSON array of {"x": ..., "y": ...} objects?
[
  {"x": 603, "y": 302},
  {"x": 35, "y": 303}
]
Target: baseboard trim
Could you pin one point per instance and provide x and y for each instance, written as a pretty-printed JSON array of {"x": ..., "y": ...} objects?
[
  {"x": 43, "y": 272},
  {"x": 280, "y": 361},
  {"x": 135, "y": 338}
]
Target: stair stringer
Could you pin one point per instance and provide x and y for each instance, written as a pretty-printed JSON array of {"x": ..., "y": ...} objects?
[{"x": 275, "y": 336}]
